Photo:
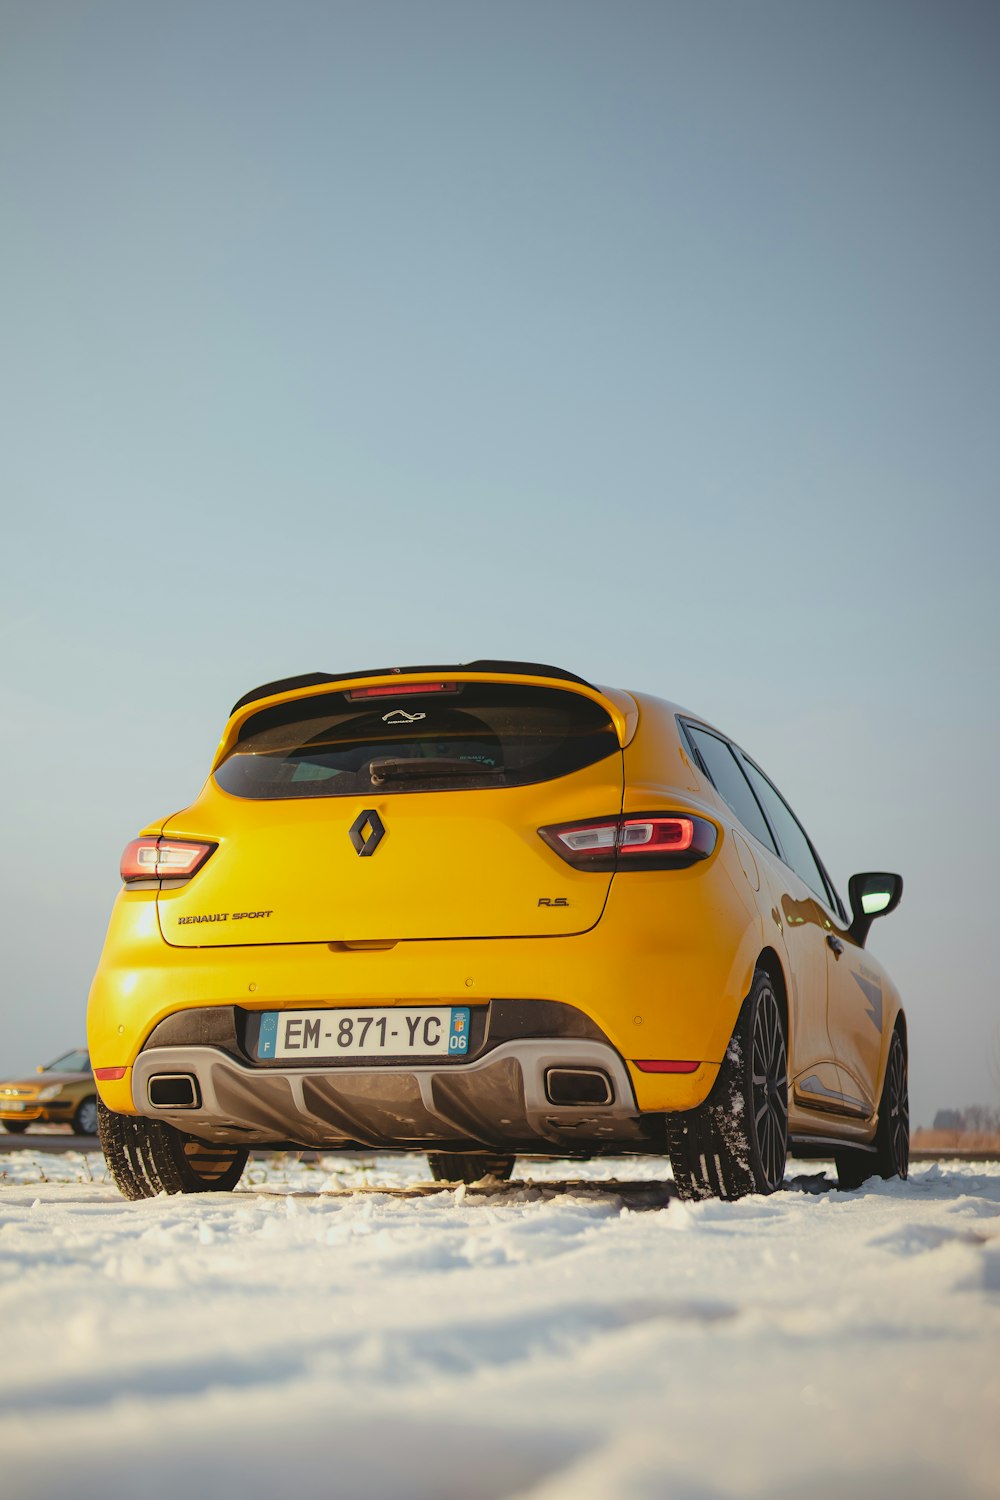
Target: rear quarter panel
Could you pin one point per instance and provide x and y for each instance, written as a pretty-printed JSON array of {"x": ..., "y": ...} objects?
[{"x": 703, "y": 927}]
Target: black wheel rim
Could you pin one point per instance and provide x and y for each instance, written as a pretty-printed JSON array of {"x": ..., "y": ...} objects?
[
  {"x": 210, "y": 1162},
  {"x": 769, "y": 1087},
  {"x": 899, "y": 1110}
]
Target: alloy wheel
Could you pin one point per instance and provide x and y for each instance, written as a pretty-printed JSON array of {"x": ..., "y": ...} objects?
[
  {"x": 769, "y": 1088},
  {"x": 899, "y": 1109}
]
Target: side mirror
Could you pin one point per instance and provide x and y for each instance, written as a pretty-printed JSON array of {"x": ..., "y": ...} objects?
[{"x": 873, "y": 894}]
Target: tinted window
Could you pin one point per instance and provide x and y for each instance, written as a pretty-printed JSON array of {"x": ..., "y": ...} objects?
[
  {"x": 730, "y": 783},
  {"x": 794, "y": 844},
  {"x": 477, "y": 735}
]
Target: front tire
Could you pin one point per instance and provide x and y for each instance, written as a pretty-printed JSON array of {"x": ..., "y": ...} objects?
[
  {"x": 891, "y": 1157},
  {"x": 737, "y": 1141},
  {"x": 85, "y": 1119},
  {"x": 15, "y": 1127},
  {"x": 453, "y": 1166},
  {"x": 147, "y": 1157}
]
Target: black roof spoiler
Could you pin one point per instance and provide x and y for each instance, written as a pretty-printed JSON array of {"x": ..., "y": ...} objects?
[{"x": 322, "y": 679}]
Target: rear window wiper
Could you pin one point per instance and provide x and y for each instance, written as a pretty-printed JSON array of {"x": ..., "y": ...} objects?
[{"x": 431, "y": 769}]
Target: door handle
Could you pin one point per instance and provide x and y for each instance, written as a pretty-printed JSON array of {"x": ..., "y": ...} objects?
[{"x": 835, "y": 944}]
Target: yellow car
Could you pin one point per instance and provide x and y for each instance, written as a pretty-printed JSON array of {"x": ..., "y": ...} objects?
[
  {"x": 60, "y": 1093},
  {"x": 488, "y": 911}
]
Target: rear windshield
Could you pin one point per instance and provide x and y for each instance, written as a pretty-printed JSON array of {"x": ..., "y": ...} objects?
[{"x": 475, "y": 735}]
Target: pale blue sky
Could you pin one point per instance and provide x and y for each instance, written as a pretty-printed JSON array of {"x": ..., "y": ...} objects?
[{"x": 659, "y": 341}]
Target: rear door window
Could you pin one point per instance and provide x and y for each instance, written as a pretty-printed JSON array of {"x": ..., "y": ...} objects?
[
  {"x": 795, "y": 846},
  {"x": 469, "y": 735},
  {"x": 730, "y": 782}
]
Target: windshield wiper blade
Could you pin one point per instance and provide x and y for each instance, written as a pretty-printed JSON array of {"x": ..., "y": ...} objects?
[{"x": 431, "y": 769}]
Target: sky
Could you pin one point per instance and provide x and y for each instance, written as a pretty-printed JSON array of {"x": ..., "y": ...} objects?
[{"x": 658, "y": 341}]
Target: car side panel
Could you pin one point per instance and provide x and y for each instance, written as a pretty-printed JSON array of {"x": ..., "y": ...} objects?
[
  {"x": 783, "y": 913},
  {"x": 792, "y": 921},
  {"x": 800, "y": 922},
  {"x": 864, "y": 1005}
]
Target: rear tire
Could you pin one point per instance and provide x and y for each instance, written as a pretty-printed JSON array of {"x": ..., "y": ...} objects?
[
  {"x": 453, "y": 1166},
  {"x": 737, "y": 1141},
  {"x": 891, "y": 1157},
  {"x": 147, "y": 1157}
]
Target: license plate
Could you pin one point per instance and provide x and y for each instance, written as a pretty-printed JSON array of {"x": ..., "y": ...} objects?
[
  {"x": 14, "y": 1105},
  {"x": 441, "y": 1032}
]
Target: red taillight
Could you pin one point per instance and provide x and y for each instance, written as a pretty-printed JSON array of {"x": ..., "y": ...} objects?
[
  {"x": 663, "y": 1065},
  {"x": 400, "y": 690},
  {"x": 642, "y": 836},
  {"x": 650, "y": 841},
  {"x": 109, "y": 1075},
  {"x": 163, "y": 859}
]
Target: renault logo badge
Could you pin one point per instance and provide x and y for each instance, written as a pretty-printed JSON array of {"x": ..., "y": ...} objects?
[{"x": 367, "y": 831}]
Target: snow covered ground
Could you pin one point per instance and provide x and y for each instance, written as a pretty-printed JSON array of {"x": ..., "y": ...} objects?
[{"x": 332, "y": 1330}]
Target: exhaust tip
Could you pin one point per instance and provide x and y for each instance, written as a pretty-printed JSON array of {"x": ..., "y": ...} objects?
[
  {"x": 174, "y": 1091},
  {"x": 578, "y": 1086}
]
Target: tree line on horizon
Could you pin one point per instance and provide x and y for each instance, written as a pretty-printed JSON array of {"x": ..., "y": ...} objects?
[{"x": 975, "y": 1119}]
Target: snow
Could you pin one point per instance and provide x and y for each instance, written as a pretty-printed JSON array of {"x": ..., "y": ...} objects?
[{"x": 340, "y": 1327}]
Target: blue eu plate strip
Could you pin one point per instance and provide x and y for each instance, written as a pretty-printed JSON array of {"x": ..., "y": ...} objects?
[{"x": 268, "y": 1039}]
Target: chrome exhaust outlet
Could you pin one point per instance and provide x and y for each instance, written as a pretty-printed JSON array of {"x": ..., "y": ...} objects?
[
  {"x": 174, "y": 1091},
  {"x": 575, "y": 1086}
]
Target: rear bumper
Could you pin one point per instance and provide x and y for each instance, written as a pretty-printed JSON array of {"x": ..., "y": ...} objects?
[
  {"x": 662, "y": 976},
  {"x": 500, "y": 1101}
]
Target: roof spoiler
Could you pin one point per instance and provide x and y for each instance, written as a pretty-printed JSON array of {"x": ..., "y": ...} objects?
[{"x": 321, "y": 679}]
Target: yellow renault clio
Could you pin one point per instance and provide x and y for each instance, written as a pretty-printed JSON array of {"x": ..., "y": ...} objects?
[{"x": 482, "y": 911}]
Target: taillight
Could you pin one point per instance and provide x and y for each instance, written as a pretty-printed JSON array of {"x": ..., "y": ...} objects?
[
  {"x": 163, "y": 859},
  {"x": 676, "y": 834},
  {"x": 635, "y": 841},
  {"x": 400, "y": 690}
]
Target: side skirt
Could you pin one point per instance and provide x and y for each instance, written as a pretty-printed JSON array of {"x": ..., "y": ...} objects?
[{"x": 811, "y": 1147}]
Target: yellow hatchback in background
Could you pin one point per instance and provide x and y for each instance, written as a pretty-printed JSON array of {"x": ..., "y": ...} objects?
[
  {"x": 60, "y": 1093},
  {"x": 487, "y": 911}
]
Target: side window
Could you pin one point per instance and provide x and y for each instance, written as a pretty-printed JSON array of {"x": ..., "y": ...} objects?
[
  {"x": 795, "y": 846},
  {"x": 730, "y": 783}
]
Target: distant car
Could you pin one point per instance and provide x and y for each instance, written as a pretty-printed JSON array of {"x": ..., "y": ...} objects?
[
  {"x": 60, "y": 1093},
  {"x": 486, "y": 911}
]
